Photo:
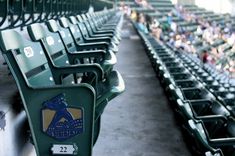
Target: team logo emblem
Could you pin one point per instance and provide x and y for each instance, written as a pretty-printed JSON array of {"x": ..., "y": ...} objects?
[
  {"x": 60, "y": 121},
  {"x": 28, "y": 52}
]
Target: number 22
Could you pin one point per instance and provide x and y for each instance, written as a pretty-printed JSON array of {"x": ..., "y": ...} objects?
[{"x": 63, "y": 149}]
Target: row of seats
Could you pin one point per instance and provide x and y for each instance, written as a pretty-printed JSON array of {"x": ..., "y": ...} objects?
[
  {"x": 201, "y": 97},
  {"x": 208, "y": 15},
  {"x": 197, "y": 42},
  {"x": 203, "y": 104},
  {"x": 64, "y": 72}
]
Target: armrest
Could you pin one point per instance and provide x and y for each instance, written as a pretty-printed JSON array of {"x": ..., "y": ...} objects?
[
  {"x": 104, "y": 32},
  {"x": 222, "y": 92},
  {"x": 81, "y": 68},
  {"x": 191, "y": 89},
  {"x": 98, "y": 39},
  {"x": 210, "y": 118},
  {"x": 197, "y": 102},
  {"x": 61, "y": 88},
  {"x": 108, "y": 26},
  {"x": 222, "y": 142},
  {"x": 108, "y": 29},
  {"x": 94, "y": 45},
  {"x": 112, "y": 31},
  {"x": 100, "y": 35},
  {"x": 184, "y": 80},
  {"x": 86, "y": 54},
  {"x": 58, "y": 72}
]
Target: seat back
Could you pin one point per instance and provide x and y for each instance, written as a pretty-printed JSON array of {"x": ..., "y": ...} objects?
[
  {"x": 51, "y": 42},
  {"x": 83, "y": 30},
  {"x": 29, "y": 57},
  {"x": 64, "y": 33},
  {"x": 84, "y": 17},
  {"x": 93, "y": 22},
  {"x": 73, "y": 28},
  {"x": 88, "y": 26},
  {"x": 79, "y": 18}
]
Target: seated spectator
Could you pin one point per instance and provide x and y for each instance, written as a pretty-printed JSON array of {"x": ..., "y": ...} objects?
[
  {"x": 231, "y": 39},
  {"x": 148, "y": 21},
  {"x": 155, "y": 29},
  {"x": 233, "y": 48},
  {"x": 173, "y": 26},
  {"x": 205, "y": 56},
  {"x": 199, "y": 30},
  {"x": 143, "y": 3},
  {"x": 169, "y": 18},
  {"x": 207, "y": 35},
  {"x": 226, "y": 34},
  {"x": 141, "y": 24},
  {"x": 171, "y": 39},
  {"x": 133, "y": 15},
  {"x": 178, "y": 41}
]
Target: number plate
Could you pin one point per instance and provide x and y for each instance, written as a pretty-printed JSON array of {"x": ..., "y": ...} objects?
[{"x": 64, "y": 150}]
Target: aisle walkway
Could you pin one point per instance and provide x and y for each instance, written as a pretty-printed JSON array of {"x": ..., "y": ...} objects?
[{"x": 140, "y": 121}]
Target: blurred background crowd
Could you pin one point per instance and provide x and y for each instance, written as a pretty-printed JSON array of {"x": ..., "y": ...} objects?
[{"x": 213, "y": 41}]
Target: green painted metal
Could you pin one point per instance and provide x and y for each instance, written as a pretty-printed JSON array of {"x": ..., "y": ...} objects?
[
  {"x": 101, "y": 4},
  {"x": 58, "y": 59},
  {"x": 79, "y": 40},
  {"x": 81, "y": 44},
  {"x": 46, "y": 70},
  {"x": 98, "y": 56},
  {"x": 106, "y": 90},
  {"x": 36, "y": 92}
]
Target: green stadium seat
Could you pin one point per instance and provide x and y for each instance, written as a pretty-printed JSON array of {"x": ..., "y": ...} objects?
[
  {"x": 217, "y": 137},
  {"x": 86, "y": 44},
  {"x": 43, "y": 99},
  {"x": 87, "y": 38},
  {"x": 106, "y": 87},
  {"x": 93, "y": 32},
  {"x": 106, "y": 59},
  {"x": 91, "y": 22},
  {"x": 204, "y": 110}
]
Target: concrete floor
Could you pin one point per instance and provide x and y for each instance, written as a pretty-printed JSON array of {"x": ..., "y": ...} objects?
[
  {"x": 140, "y": 121},
  {"x": 137, "y": 123}
]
